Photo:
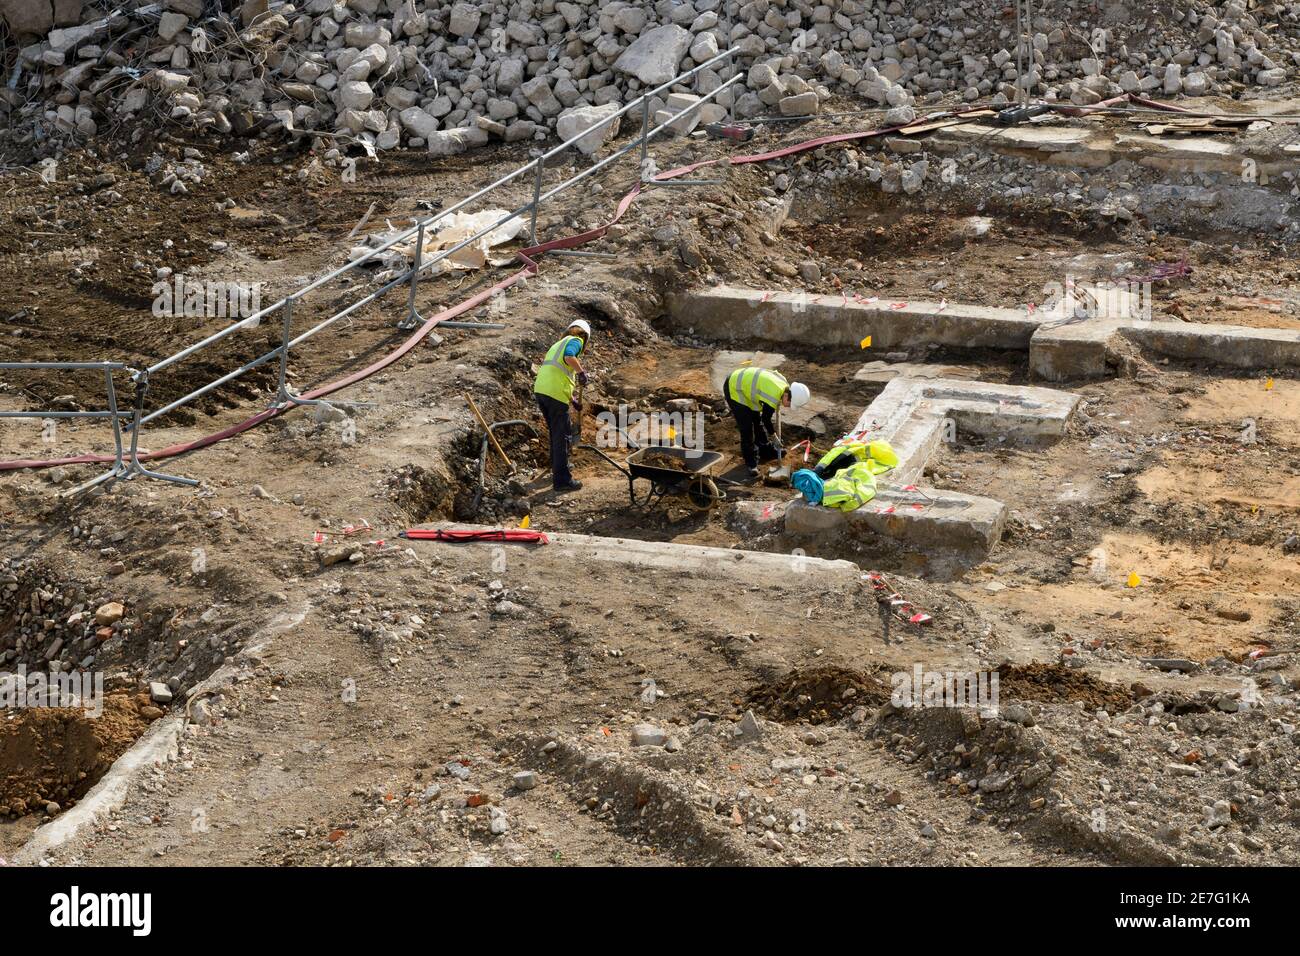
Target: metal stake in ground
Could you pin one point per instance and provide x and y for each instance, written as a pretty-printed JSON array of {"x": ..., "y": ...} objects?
[
  {"x": 495, "y": 444},
  {"x": 886, "y": 615}
]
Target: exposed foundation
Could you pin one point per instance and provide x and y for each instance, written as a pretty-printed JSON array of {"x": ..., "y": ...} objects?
[{"x": 1062, "y": 346}]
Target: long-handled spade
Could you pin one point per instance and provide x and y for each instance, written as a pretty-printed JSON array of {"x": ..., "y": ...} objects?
[
  {"x": 575, "y": 428},
  {"x": 782, "y": 470}
]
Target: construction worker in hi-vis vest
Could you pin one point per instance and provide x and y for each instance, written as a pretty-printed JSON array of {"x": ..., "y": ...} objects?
[
  {"x": 553, "y": 389},
  {"x": 753, "y": 394}
]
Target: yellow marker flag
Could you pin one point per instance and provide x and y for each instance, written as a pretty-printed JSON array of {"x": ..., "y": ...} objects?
[
  {"x": 866, "y": 343},
  {"x": 672, "y": 433},
  {"x": 1254, "y": 509},
  {"x": 1268, "y": 385},
  {"x": 525, "y": 521},
  {"x": 1133, "y": 579}
]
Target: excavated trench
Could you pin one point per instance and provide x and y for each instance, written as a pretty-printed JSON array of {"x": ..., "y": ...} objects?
[{"x": 74, "y": 659}]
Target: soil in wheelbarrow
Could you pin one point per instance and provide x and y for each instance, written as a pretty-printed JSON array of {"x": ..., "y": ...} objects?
[{"x": 659, "y": 459}]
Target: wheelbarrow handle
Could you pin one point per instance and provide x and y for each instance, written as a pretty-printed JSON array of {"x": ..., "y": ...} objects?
[{"x": 626, "y": 472}]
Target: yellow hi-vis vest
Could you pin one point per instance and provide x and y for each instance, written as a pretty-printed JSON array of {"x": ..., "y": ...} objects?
[
  {"x": 756, "y": 387},
  {"x": 554, "y": 378},
  {"x": 879, "y": 455},
  {"x": 849, "y": 489}
]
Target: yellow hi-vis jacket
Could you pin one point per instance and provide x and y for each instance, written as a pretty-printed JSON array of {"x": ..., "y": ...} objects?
[
  {"x": 756, "y": 387},
  {"x": 554, "y": 378},
  {"x": 878, "y": 455},
  {"x": 850, "y": 489}
]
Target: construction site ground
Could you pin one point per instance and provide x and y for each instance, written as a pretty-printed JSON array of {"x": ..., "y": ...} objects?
[{"x": 380, "y": 707}]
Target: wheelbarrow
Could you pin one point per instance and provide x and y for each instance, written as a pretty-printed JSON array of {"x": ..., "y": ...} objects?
[{"x": 690, "y": 480}]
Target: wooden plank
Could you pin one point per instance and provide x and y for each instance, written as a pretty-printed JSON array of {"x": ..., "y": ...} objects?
[{"x": 942, "y": 123}]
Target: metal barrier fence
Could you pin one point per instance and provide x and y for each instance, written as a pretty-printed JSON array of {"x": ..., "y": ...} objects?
[
  {"x": 128, "y": 466},
  {"x": 126, "y": 461}
]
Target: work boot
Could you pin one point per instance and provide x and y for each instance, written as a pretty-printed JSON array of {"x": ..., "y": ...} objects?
[
  {"x": 752, "y": 472},
  {"x": 571, "y": 486}
]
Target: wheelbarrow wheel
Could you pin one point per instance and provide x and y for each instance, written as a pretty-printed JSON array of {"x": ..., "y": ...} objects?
[{"x": 703, "y": 493}]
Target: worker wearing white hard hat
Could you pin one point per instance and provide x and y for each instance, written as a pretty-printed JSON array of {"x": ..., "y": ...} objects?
[
  {"x": 560, "y": 371},
  {"x": 753, "y": 395}
]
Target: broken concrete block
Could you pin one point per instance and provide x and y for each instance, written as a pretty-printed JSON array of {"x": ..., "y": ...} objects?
[
  {"x": 573, "y": 121},
  {"x": 677, "y": 102},
  {"x": 464, "y": 20},
  {"x": 170, "y": 24},
  {"x": 449, "y": 142},
  {"x": 654, "y": 57},
  {"x": 648, "y": 735},
  {"x": 538, "y": 91},
  {"x": 170, "y": 82},
  {"x": 355, "y": 95},
  {"x": 802, "y": 104}
]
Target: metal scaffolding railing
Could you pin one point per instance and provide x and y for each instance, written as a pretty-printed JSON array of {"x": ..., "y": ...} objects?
[
  {"x": 127, "y": 465},
  {"x": 126, "y": 461}
]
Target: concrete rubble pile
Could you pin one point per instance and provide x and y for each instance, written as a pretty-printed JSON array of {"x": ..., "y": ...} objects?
[{"x": 447, "y": 76}]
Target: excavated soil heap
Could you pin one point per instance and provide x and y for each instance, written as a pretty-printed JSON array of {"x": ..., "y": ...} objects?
[
  {"x": 1054, "y": 683},
  {"x": 818, "y": 696},
  {"x": 55, "y": 755}
]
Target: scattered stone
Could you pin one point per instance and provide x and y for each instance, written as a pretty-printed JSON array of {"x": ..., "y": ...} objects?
[
  {"x": 648, "y": 735},
  {"x": 1172, "y": 664},
  {"x": 109, "y": 614},
  {"x": 749, "y": 728}
]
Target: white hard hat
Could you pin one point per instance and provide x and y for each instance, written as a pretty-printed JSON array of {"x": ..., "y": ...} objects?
[
  {"x": 799, "y": 394},
  {"x": 582, "y": 325}
]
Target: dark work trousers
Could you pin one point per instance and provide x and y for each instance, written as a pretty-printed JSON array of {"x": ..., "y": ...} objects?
[
  {"x": 558, "y": 424},
  {"x": 755, "y": 433}
]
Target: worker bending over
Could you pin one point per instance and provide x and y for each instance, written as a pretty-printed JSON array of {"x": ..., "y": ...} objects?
[
  {"x": 753, "y": 394},
  {"x": 553, "y": 389}
]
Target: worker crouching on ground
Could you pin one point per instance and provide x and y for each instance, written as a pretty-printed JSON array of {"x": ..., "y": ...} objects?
[
  {"x": 753, "y": 394},
  {"x": 845, "y": 477},
  {"x": 561, "y": 370}
]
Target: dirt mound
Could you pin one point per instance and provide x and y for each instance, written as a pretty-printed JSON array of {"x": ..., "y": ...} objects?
[
  {"x": 1054, "y": 683},
  {"x": 818, "y": 696},
  {"x": 57, "y": 754}
]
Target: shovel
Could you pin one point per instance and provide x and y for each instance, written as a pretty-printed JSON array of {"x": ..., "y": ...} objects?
[
  {"x": 782, "y": 471},
  {"x": 575, "y": 428}
]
